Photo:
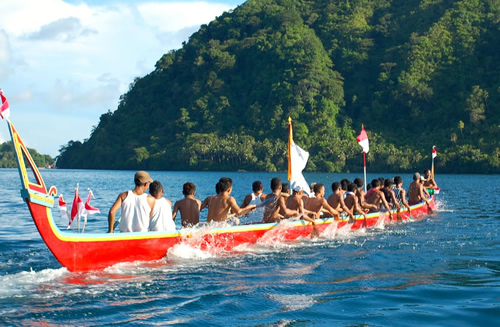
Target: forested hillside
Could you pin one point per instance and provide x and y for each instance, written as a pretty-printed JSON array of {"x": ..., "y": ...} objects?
[
  {"x": 417, "y": 73},
  {"x": 8, "y": 158}
]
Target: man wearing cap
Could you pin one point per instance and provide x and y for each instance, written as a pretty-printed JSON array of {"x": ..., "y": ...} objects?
[
  {"x": 295, "y": 202},
  {"x": 416, "y": 192},
  {"x": 136, "y": 206}
]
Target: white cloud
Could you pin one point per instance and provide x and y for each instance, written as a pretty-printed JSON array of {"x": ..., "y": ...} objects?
[
  {"x": 64, "y": 29},
  {"x": 68, "y": 62},
  {"x": 5, "y": 56}
]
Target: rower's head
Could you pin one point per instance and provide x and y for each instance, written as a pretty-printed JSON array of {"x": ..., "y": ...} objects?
[
  {"x": 352, "y": 187},
  {"x": 388, "y": 183},
  {"x": 141, "y": 178},
  {"x": 276, "y": 184},
  {"x": 416, "y": 176},
  {"x": 188, "y": 189},
  {"x": 226, "y": 184},
  {"x": 427, "y": 173},
  {"x": 359, "y": 182},
  {"x": 375, "y": 183},
  {"x": 156, "y": 189},
  {"x": 335, "y": 187},
  {"x": 285, "y": 188},
  {"x": 381, "y": 180},
  {"x": 297, "y": 189},
  {"x": 319, "y": 189},
  {"x": 257, "y": 186},
  {"x": 344, "y": 183},
  {"x": 398, "y": 181}
]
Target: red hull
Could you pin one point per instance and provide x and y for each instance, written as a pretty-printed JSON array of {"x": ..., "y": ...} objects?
[{"x": 84, "y": 252}]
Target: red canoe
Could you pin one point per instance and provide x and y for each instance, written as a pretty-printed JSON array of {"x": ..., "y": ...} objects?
[{"x": 96, "y": 251}]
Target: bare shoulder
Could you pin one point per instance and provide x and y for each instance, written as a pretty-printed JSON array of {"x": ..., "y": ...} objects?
[{"x": 122, "y": 196}]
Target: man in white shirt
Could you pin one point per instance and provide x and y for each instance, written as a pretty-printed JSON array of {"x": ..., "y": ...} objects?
[{"x": 136, "y": 206}]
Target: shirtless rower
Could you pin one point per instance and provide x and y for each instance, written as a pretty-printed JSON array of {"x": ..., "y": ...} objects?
[
  {"x": 429, "y": 182},
  {"x": 391, "y": 197},
  {"x": 189, "y": 206},
  {"x": 209, "y": 198},
  {"x": 276, "y": 203},
  {"x": 352, "y": 203},
  {"x": 336, "y": 201},
  {"x": 416, "y": 192},
  {"x": 376, "y": 197},
  {"x": 360, "y": 194},
  {"x": 223, "y": 202},
  {"x": 257, "y": 197},
  {"x": 295, "y": 203},
  {"x": 318, "y": 202}
]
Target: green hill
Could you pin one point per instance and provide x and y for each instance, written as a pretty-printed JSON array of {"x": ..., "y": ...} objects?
[
  {"x": 8, "y": 159},
  {"x": 417, "y": 73}
]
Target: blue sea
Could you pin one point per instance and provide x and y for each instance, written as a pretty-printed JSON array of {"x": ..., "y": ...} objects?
[{"x": 440, "y": 271}]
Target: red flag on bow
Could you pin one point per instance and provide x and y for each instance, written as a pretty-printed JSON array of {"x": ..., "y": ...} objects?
[
  {"x": 89, "y": 210},
  {"x": 4, "y": 108},
  {"x": 63, "y": 209},
  {"x": 76, "y": 208}
]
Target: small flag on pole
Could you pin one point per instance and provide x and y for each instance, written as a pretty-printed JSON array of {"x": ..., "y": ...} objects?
[
  {"x": 363, "y": 140},
  {"x": 76, "y": 208},
  {"x": 63, "y": 209},
  {"x": 4, "y": 108},
  {"x": 88, "y": 209},
  {"x": 434, "y": 152}
]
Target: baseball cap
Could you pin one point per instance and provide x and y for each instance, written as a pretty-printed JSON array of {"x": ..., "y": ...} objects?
[{"x": 143, "y": 177}]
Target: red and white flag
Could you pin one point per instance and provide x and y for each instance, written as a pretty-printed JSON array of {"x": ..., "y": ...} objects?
[
  {"x": 76, "y": 208},
  {"x": 363, "y": 140},
  {"x": 63, "y": 209},
  {"x": 4, "y": 108},
  {"x": 88, "y": 209},
  {"x": 434, "y": 152}
]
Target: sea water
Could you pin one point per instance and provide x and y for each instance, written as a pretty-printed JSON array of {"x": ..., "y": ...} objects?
[{"x": 441, "y": 271}]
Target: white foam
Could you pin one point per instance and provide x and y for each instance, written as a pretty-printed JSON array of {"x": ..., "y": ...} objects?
[
  {"x": 17, "y": 285},
  {"x": 294, "y": 302}
]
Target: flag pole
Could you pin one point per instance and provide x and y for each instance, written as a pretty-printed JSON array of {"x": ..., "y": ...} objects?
[
  {"x": 290, "y": 141},
  {"x": 78, "y": 209},
  {"x": 432, "y": 155},
  {"x": 364, "y": 166},
  {"x": 364, "y": 160}
]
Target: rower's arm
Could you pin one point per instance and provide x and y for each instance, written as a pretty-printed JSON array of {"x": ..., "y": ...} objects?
[
  {"x": 239, "y": 211},
  {"x": 403, "y": 199},
  {"x": 346, "y": 209},
  {"x": 288, "y": 212},
  {"x": 332, "y": 211},
  {"x": 384, "y": 201},
  {"x": 112, "y": 212},
  {"x": 176, "y": 208}
]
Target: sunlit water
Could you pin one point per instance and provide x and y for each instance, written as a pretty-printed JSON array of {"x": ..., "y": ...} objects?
[{"x": 441, "y": 271}]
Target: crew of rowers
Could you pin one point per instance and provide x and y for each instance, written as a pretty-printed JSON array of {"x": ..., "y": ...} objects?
[{"x": 141, "y": 212}]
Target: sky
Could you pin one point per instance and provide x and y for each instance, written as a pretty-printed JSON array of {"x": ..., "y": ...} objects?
[{"x": 65, "y": 63}]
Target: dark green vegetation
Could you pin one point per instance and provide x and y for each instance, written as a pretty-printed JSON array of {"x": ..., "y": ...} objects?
[
  {"x": 8, "y": 159},
  {"x": 417, "y": 73}
]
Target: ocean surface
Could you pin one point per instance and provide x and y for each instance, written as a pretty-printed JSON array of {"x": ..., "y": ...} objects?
[{"x": 441, "y": 271}]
